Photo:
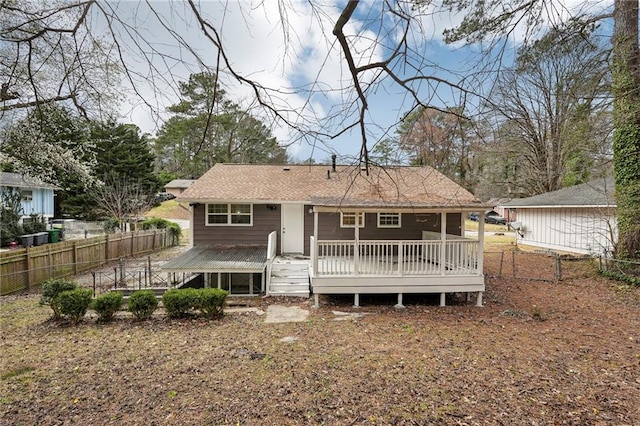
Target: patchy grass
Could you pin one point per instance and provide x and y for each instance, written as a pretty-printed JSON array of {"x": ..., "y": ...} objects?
[
  {"x": 566, "y": 352},
  {"x": 169, "y": 209},
  {"x": 470, "y": 225}
]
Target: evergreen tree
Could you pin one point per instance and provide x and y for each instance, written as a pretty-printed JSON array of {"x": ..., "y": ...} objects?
[{"x": 206, "y": 128}]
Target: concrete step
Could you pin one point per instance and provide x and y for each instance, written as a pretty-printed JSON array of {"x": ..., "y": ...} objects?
[{"x": 304, "y": 294}]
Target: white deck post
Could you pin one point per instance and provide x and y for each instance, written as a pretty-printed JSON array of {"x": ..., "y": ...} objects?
[
  {"x": 399, "y": 304},
  {"x": 443, "y": 299},
  {"x": 481, "y": 244},
  {"x": 315, "y": 242},
  {"x": 479, "y": 302},
  {"x": 356, "y": 248},
  {"x": 316, "y": 301},
  {"x": 356, "y": 300},
  {"x": 443, "y": 239}
]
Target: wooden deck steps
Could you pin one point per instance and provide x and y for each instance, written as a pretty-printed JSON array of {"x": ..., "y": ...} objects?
[{"x": 289, "y": 278}]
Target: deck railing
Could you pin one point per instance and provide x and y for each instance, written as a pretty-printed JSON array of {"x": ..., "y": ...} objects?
[{"x": 394, "y": 257}]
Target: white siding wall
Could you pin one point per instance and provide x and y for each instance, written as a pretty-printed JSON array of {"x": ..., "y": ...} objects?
[
  {"x": 577, "y": 230},
  {"x": 40, "y": 204}
]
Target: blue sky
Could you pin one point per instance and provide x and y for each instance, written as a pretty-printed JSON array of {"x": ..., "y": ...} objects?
[{"x": 300, "y": 62}]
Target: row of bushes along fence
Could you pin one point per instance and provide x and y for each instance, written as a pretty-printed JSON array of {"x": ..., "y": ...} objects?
[{"x": 23, "y": 269}]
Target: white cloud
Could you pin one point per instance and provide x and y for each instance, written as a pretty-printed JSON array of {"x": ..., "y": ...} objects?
[{"x": 299, "y": 61}]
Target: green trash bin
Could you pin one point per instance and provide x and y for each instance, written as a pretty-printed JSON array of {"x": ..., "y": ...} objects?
[{"x": 54, "y": 235}]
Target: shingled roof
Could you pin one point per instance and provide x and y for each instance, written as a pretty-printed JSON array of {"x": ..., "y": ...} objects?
[
  {"x": 597, "y": 193},
  {"x": 347, "y": 186},
  {"x": 17, "y": 180}
]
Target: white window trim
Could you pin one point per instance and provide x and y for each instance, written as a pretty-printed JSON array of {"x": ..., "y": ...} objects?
[
  {"x": 229, "y": 215},
  {"x": 399, "y": 225},
  {"x": 361, "y": 220}
]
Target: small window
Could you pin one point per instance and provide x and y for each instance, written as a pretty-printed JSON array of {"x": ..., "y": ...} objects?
[
  {"x": 27, "y": 194},
  {"x": 389, "y": 220},
  {"x": 348, "y": 220},
  {"x": 229, "y": 214}
]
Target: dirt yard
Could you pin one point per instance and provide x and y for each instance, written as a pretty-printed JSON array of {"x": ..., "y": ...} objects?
[{"x": 538, "y": 353}]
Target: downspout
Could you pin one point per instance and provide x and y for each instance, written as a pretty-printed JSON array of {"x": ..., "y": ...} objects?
[{"x": 191, "y": 223}]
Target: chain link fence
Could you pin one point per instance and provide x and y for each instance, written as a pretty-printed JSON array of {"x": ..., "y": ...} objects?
[{"x": 536, "y": 266}]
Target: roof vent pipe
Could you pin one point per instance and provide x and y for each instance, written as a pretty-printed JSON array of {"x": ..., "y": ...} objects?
[
  {"x": 333, "y": 161},
  {"x": 328, "y": 174}
]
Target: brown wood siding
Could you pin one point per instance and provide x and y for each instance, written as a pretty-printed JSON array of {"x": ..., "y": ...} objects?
[
  {"x": 412, "y": 226},
  {"x": 264, "y": 222}
]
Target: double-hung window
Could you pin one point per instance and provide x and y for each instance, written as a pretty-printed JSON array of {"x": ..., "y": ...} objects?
[
  {"x": 230, "y": 214},
  {"x": 348, "y": 220},
  {"x": 389, "y": 220}
]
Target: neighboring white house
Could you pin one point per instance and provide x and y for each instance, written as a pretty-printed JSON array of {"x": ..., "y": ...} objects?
[
  {"x": 37, "y": 197},
  {"x": 577, "y": 219}
]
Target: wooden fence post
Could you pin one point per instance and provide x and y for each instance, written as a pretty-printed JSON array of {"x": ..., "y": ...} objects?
[
  {"x": 75, "y": 256},
  {"x": 29, "y": 269},
  {"x": 49, "y": 261},
  {"x": 106, "y": 248}
]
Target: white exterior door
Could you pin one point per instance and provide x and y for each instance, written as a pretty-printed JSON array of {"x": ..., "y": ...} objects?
[{"x": 292, "y": 232}]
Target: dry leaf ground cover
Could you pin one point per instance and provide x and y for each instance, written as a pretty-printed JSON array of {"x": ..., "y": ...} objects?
[{"x": 538, "y": 353}]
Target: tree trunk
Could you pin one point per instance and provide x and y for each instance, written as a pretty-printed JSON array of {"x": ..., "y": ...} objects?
[{"x": 626, "y": 138}]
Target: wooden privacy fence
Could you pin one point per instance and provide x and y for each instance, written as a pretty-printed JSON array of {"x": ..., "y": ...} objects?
[{"x": 26, "y": 268}]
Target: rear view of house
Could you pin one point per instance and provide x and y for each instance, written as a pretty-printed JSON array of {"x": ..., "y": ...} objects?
[{"x": 292, "y": 229}]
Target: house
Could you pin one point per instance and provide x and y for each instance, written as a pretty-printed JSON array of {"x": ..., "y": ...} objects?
[
  {"x": 576, "y": 219},
  {"x": 498, "y": 207},
  {"x": 37, "y": 197},
  {"x": 178, "y": 186},
  {"x": 333, "y": 229}
]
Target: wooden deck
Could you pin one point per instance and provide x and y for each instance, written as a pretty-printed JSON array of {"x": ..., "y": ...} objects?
[{"x": 372, "y": 266}]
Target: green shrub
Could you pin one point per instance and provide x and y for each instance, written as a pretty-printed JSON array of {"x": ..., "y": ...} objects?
[
  {"x": 37, "y": 224},
  {"x": 51, "y": 290},
  {"x": 111, "y": 225},
  {"x": 211, "y": 301},
  {"x": 142, "y": 304},
  {"x": 158, "y": 223},
  {"x": 74, "y": 303},
  {"x": 10, "y": 214},
  {"x": 179, "y": 302},
  {"x": 621, "y": 276},
  {"x": 106, "y": 305}
]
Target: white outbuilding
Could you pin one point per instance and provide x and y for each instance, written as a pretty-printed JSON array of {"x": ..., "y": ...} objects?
[{"x": 577, "y": 219}]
